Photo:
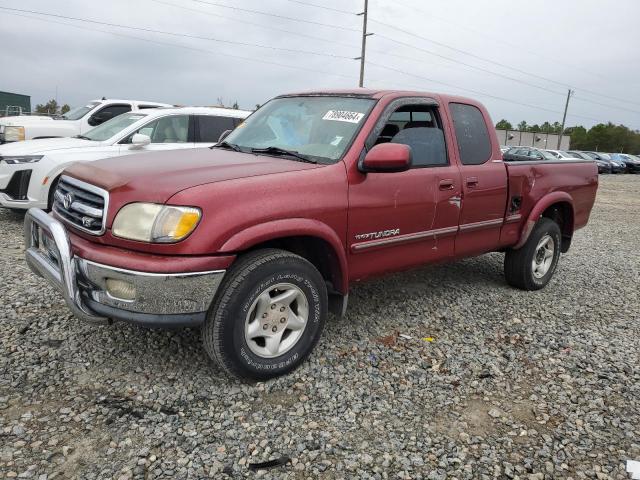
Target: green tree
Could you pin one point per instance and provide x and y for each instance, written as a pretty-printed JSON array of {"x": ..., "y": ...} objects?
[
  {"x": 522, "y": 126},
  {"x": 235, "y": 105},
  {"x": 504, "y": 125},
  {"x": 52, "y": 108}
]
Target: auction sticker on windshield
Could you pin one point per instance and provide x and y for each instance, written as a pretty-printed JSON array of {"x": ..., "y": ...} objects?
[{"x": 343, "y": 116}]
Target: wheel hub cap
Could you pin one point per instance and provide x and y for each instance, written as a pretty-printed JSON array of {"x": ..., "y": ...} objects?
[
  {"x": 543, "y": 257},
  {"x": 276, "y": 320}
]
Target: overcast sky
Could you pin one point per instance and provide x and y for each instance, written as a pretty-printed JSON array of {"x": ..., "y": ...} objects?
[{"x": 591, "y": 46}]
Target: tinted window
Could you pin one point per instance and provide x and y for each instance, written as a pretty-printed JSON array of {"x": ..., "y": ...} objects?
[
  {"x": 142, "y": 107},
  {"x": 210, "y": 128},
  {"x": 107, "y": 113},
  {"x": 474, "y": 144}
]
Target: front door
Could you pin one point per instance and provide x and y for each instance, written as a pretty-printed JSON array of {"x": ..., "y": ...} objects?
[
  {"x": 484, "y": 182},
  {"x": 172, "y": 132},
  {"x": 400, "y": 220}
]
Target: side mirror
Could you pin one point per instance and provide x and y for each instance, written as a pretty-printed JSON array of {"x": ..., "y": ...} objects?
[
  {"x": 224, "y": 135},
  {"x": 139, "y": 140},
  {"x": 387, "y": 157}
]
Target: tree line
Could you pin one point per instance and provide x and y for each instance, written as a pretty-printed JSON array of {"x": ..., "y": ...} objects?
[{"x": 604, "y": 137}]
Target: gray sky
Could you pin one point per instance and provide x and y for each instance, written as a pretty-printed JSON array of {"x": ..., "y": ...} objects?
[{"x": 592, "y": 46}]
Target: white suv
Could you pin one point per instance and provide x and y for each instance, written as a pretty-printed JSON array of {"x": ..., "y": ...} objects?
[
  {"x": 29, "y": 170},
  {"x": 75, "y": 122}
]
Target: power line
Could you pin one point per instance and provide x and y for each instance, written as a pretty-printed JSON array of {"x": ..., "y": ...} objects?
[
  {"x": 324, "y": 7},
  {"x": 485, "y": 70},
  {"x": 185, "y": 47},
  {"x": 174, "y": 34},
  {"x": 281, "y": 30},
  {"x": 476, "y": 31},
  {"x": 493, "y": 61},
  {"x": 476, "y": 92},
  {"x": 274, "y": 15},
  {"x": 491, "y": 72}
]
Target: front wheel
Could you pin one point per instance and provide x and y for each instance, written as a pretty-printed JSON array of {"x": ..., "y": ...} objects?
[
  {"x": 532, "y": 266},
  {"x": 268, "y": 316}
]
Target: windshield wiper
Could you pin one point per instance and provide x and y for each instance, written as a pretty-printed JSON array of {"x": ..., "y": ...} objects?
[
  {"x": 82, "y": 137},
  {"x": 227, "y": 145},
  {"x": 283, "y": 151}
]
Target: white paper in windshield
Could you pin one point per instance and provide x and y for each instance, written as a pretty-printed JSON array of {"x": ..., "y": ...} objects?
[{"x": 343, "y": 116}]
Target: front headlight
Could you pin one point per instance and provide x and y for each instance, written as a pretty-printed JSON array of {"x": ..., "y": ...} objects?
[
  {"x": 19, "y": 159},
  {"x": 150, "y": 222},
  {"x": 13, "y": 134}
]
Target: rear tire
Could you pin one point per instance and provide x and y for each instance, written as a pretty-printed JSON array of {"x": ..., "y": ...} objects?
[
  {"x": 267, "y": 316},
  {"x": 532, "y": 266}
]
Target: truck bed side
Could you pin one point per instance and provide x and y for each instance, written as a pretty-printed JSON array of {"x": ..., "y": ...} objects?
[{"x": 566, "y": 189}]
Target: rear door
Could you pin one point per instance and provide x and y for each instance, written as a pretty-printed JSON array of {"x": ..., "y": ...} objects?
[
  {"x": 400, "y": 220},
  {"x": 484, "y": 181}
]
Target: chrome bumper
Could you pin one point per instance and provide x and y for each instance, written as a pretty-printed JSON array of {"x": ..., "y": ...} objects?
[{"x": 161, "y": 299}]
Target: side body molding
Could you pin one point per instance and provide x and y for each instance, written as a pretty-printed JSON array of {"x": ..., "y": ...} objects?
[
  {"x": 538, "y": 209},
  {"x": 292, "y": 227}
]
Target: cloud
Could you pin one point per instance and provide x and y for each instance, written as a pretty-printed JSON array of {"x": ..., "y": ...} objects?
[{"x": 572, "y": 43}]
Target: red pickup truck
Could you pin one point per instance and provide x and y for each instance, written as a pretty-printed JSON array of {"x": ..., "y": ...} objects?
[{"x": 258, "y": 238}]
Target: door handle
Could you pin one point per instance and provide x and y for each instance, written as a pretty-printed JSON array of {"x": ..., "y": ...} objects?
[
  {"x": 472, "y": 182},
  {"x": 446, "y": 184}
]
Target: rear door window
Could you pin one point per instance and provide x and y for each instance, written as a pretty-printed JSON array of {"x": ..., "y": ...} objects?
[
  {"x": 211, "y": 127},
  {"x": 474, "y": 143}
]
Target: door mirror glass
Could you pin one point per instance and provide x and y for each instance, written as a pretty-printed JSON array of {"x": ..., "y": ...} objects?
[
  {"x": 387, "y": 157},
  {"x": 140, "y": 140}
]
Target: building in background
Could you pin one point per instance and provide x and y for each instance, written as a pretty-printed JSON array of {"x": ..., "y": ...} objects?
[
  {"x": 512, "y": 138},
  {"x": 14, "y": 104}
]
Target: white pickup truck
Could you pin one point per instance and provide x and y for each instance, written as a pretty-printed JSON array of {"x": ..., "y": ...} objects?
[{"x": 77, "y": 121}]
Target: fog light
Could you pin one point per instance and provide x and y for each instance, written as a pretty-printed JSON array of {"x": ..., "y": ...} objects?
[{"x": 120, "y": 289}]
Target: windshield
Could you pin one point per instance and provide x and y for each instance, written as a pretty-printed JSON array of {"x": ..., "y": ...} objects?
[
  {"x": 112, "y": 127},
  {"x": 320, "y": 128},
  {"x": 79, "y": 112}
]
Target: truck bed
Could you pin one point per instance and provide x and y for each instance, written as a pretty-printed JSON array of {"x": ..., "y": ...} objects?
[{"x": 531, "y": 181}]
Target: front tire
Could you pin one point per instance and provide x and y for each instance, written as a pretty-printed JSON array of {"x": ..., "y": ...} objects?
[
  {"x": 268, "y": 315},
  {"x": 532, "y": 266}
]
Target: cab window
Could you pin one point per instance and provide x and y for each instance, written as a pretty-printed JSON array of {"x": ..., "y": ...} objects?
[
  {"x": 474, "y": 143},
  {"x": 419, "y": 127}
]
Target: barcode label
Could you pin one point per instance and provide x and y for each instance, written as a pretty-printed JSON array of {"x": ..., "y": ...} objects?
[{"x": 343, "y": 116}]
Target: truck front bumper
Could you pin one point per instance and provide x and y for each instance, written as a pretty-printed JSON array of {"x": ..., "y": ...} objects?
[{"x": 99, "y": 293}]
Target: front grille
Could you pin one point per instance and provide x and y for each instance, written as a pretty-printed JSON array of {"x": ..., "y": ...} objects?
[
  {"x": 18, "y": 186},
  {"x": 81, "y": 205}
]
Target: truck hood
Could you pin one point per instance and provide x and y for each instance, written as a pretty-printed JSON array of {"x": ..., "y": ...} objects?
[
  {"x": 28, "y": 120},
  {"x": 44, "y": 146},
  {"x": 157, "y": 176}
]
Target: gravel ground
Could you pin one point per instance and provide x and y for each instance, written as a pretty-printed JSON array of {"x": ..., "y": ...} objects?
[{"x": 492, "y": 383}]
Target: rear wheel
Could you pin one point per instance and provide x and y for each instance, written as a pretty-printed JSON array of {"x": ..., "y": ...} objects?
[
  {"x": 268, "y": 316},
  {"x": 532, "y": 266}
]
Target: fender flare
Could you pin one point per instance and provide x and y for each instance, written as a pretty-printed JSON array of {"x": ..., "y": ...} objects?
[
  {"x": 537, "y": 210},
  {"x": 291, "y": 227}
]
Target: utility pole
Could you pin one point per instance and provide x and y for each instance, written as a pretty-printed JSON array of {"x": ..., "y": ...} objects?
[
  {"x": 364, "y": 41},
  {"x": 564, "y": 117}
]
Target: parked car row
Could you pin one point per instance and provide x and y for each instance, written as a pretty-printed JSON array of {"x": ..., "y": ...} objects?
[
  {"x": 31, "y": 169},
  {"x": 607, "y": 162}
]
